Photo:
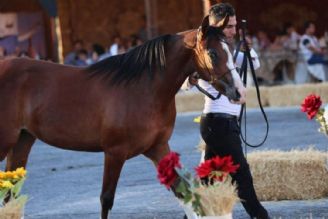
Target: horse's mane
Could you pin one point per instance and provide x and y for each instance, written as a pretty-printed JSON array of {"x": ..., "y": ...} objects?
[{"x": 129, "y": 66}]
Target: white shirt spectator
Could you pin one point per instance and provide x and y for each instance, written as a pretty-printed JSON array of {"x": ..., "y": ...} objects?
[
  {"x": 292, "y": 41},
  {"x": 113, "y": 50},
  {"x": 306, "y": 42}
]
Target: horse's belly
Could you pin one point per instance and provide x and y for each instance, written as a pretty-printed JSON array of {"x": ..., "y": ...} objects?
[
  {"x": 70, "y": 138},
  {"x": 69, "y": 144}
]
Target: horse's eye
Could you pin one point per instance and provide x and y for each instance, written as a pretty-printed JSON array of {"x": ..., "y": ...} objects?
[{"x": 213, "y": 55}]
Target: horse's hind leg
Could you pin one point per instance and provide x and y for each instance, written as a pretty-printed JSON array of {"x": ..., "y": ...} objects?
[
  {"x": 18, "y": 155},
  {"x": 112, "y": 170}
]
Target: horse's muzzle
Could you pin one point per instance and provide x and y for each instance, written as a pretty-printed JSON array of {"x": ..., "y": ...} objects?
[
  {"x": 233, "y": 94},
  {"x": 229, "y": 90}
]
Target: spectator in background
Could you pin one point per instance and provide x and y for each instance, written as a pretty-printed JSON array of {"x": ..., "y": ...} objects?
[
  {"x": 133, "y": 42},
  {"x": 323, "y": 41},
  {"x": 117, "y": 46},
  {"x": 263, "y": 40},
  {"x": 310, "y": 47},
  {"x": 97, "y": 54},
  {"x": 279, "y": 41},
  {"x": 293, "y": 37},
  {"x": 81, "y": 58},
  {"x": 10, "y": 42},
  {"x": 71, "y": 58}
]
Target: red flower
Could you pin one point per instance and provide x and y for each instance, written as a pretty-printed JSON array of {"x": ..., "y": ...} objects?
[
  {"x": 311, "y": 105},
  {"x": 217, "y": 167},
  {"x": 204, "y": 169},
  {"x": 166, "y": 172}
]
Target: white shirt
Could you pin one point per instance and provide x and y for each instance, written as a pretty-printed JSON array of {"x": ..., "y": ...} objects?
[
  {"x": 221, "y": 105},
  {"x": 113, "y": 50}
]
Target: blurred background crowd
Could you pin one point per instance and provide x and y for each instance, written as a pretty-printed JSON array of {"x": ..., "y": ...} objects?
[{"x": 285, "y": 34}]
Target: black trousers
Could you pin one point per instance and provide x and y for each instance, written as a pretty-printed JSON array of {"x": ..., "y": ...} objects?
[{"x": 221, "y": 135}]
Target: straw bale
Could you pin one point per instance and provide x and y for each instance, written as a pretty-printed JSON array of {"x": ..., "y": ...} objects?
[
  {"x": 251, "y": 97},
  {"x": 189, "y": 101},
  {"x": 293, "y": 175},
  {"x": 293, "y": 95}
]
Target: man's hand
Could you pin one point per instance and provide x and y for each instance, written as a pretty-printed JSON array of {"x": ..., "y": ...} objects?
[
  {"x": 193, "y": 78},
  {"x": 242, "y": 91}
]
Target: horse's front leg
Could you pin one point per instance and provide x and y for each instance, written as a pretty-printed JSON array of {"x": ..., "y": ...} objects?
[
  {"x": 157, "y": 152},
  {"x": 112, "y": 169}
]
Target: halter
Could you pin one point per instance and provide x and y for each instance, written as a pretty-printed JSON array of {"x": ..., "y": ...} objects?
[{"x": 203, "y": 62}]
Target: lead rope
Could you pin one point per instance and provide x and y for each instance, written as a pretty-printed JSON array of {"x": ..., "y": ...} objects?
[{"x": 243, "y": 72}]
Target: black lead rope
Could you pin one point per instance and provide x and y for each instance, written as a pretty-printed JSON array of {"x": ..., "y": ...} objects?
[
  {"x": 243, "y": 73},
  {"x": 207, "y": 93}
]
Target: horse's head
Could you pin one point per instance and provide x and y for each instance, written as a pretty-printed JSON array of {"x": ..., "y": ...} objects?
[{"x": 213, "y": 59}]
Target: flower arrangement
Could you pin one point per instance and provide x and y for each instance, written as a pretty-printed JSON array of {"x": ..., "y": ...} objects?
[
  {"x": 311, "y": 106},
  {"x": 209, "y": 193},
  {"x": 11, "y": 202}
]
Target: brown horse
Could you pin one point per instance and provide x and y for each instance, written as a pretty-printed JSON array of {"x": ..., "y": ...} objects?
[{"x": 123, "y": 106}]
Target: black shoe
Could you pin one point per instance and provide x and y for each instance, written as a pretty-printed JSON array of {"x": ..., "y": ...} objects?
[{"x": 262, "y": 215}]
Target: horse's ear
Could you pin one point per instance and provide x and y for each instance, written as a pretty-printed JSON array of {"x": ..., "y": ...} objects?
[
  {"x": 205, "y": 25},
  {"x": 223, "y": 23}
]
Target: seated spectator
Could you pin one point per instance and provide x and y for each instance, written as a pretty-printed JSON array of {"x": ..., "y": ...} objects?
[
  {"x": 10, "y": 42},
  {"x": 312, "y": 54},
  {"x": 117, "y": 46},
  {"x": 293, "y": 37},
  {"x": 133, "y": 42},
  {"x": 279, "y": 42},
  {"x": 323, "y": 41},
  {"x": 263, "y": 40},
  {"x": 97, "y": 54},
  {"x": 70, "y": 58},
  {"x": 310, "y": 47},
  {"x": 81, "y": 58}
]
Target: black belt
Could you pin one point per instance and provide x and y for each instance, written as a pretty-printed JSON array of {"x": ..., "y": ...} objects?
[{"x": 219, "y": 115}]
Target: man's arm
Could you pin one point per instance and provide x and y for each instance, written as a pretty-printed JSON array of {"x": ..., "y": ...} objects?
[
  {"x": 190, "y": 81},
  {"x": 28, "y": 34},
  {"x": 240, "y": 87},
  {"x": 238, "y": 82},
  {"x": 313, "y": 49}
]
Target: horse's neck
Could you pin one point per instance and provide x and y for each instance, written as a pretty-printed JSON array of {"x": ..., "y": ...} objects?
[{"x": 180, "y": 62}]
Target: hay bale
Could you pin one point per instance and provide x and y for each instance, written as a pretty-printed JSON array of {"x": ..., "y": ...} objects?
[
  {"x": 251, "y": 97},
  {"x": 294, "y": 175},
  {"x": 293, "y": 95},
  {"x": 189, "y": 101}
]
